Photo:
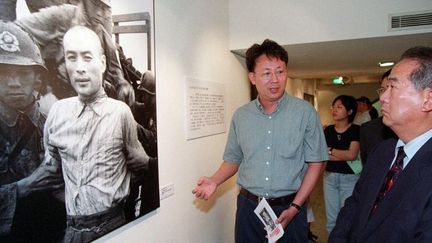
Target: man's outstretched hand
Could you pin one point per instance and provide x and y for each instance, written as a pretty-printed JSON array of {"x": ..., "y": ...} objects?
[{"x": 205, "y": 188}]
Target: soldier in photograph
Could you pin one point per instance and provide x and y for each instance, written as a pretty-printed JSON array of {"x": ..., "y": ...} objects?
[
  {"x": 28, "y": 210},
  {"x": 48, "y": 22}
]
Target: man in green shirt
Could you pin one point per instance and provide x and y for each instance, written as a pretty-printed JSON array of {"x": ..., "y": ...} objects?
[{"x": 276, "y": 144}]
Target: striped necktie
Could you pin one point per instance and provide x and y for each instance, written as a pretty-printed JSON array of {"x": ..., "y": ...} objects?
[{"x": 390, "y": 178}]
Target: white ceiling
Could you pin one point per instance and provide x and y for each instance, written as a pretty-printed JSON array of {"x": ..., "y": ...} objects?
[{"x": 357, "y": 59}]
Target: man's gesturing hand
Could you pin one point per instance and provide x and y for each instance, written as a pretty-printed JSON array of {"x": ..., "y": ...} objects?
[{"x": 205, "y": 188}]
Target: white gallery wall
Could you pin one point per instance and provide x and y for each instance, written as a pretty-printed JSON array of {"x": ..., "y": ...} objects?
[
  {"x": 307, "y": 21},
  {"x": 192, "y": 40}
]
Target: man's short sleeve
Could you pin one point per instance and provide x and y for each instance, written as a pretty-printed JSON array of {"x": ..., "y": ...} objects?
[
  {"x": 314, "y": 143},
  {"x": 233, "y": 152}
]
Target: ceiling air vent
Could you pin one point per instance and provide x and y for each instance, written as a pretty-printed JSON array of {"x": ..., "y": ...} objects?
[{"x": 411, "y": 20}]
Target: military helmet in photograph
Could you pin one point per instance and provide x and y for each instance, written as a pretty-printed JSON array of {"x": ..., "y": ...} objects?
[
  {"x": 148, "y": 83},
  {"x": 17, "y": 47}
]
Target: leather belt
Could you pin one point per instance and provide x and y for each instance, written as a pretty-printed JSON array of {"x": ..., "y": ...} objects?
[{"x": 277, "y": 201}]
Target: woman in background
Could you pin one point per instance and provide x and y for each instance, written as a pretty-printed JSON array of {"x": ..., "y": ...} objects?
[{"x": 343, "y": 145}]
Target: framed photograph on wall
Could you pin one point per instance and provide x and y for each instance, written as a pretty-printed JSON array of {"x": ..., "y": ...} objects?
[{"x": 71, "y": 159}]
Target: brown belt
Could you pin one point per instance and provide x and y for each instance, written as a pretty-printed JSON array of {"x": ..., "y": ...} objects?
[{"x": 278, "y": 201}]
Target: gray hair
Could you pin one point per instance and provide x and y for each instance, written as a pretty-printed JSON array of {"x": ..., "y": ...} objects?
[{"x": 421, "y": 77}]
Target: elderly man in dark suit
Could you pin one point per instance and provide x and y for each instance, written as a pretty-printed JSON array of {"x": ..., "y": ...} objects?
[{"x": 392, "y": 201}]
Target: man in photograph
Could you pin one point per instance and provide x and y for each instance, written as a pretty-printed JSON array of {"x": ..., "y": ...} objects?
[
  {"x": 267, "y": 219},
  {"x": 277, "y": 145},
  {"x": 28, "y": 210},
  {"x": 93, "y": 139},
  {"x": 48, "y": 25}
]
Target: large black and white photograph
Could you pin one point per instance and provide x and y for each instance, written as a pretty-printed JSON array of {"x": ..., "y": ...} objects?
[{"x": 78, "y": 135}]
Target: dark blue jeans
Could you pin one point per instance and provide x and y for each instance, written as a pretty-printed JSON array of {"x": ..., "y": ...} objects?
[
  {"x": 249, "y": 229},
  {"x": 90, "y": 227}
]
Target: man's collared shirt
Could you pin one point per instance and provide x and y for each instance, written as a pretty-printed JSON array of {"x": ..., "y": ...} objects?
[
  {"x": 93, "y": 140},
  {"x": 361, "y": 118},
  {"x": 272, "y": 148},
  {"x": 412, "y": 147}
]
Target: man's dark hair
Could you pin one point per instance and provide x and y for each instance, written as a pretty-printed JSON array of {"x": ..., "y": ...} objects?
[
  {"x": 366, "y": 100},
  {"x": 269, "y": 48},
  {"x": 350, "y": 103},
  {"x": 421, "y": 76},
  {"x": 385, "y": 75}
]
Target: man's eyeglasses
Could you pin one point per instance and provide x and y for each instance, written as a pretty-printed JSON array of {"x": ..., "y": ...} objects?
[
  {"x": 381, "y": 90},
  {"x": 267, "y": 75}
]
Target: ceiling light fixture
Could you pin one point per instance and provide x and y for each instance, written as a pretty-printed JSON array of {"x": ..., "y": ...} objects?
[
  {"x": 385, "y": 64},
  {"x": 338, "y": 81}
]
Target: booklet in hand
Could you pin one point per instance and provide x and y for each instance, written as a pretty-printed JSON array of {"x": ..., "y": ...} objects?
[{"x": 267, "y": 216}]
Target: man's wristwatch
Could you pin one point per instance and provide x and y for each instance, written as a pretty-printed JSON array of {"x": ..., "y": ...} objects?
[
  {"x": 330, "y": 151},
  {"x": 296, "y": 206}
]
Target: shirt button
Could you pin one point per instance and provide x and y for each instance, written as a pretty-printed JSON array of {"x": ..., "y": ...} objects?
[
  {"x": 266, "y": 178},
  {"x": 269, "y": 132},
  {"x": 266, "y": 194},
  {"x": 269, "y": 117},
  {"x": 268, "y": 147},
  {"x": 267, "y": 163}
]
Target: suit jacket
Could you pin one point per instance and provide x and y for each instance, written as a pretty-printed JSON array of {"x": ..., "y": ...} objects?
[
  {"x": 371, "y": 134},
  {"x": 404, "y": 215}
]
